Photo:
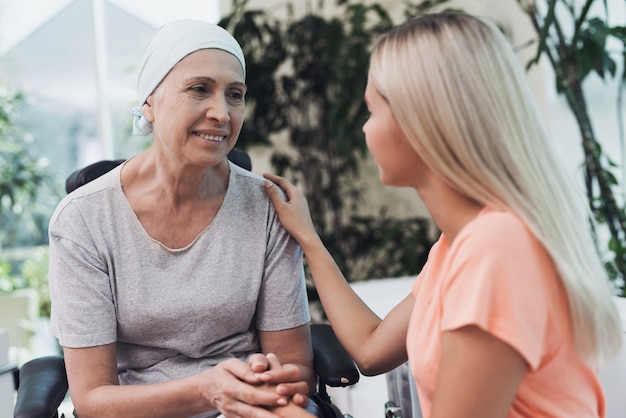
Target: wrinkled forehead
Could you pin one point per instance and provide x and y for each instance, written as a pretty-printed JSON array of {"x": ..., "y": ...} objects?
[
  {"x": 214, "y": 64},
  {"x": 176, "y": 40}
]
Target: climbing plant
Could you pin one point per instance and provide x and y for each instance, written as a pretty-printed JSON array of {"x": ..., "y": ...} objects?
[{"x": 574, "y": 55}]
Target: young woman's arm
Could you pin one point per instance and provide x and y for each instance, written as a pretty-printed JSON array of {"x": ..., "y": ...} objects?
[
  {"x": 376, "y": 345},
  {"x": 478, "y": 376}
]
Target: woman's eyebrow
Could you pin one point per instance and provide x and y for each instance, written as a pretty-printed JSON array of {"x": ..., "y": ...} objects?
[
  {"x": 209, "y": 80},
  {"x": 202, "y": 79},
  {"x": 239, "y": 84}
]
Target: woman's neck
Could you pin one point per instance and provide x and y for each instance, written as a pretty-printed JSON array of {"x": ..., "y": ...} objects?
[
  {"x": 175, "y": 184},
  {"x": 450, "y": 210}
]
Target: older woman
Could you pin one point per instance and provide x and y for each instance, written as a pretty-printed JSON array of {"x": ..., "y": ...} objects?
[{"x": 168, "y": 273}]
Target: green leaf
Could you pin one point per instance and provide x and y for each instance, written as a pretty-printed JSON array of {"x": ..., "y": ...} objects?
[{"x": 544, "y": 31}]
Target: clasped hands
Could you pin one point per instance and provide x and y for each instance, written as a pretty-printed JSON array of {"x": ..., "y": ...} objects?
[
  {"x": 284, "y": 380},
  {"x": 262, "y": 387}
]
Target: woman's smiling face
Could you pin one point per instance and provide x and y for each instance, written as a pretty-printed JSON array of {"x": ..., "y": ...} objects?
[{"x": 197, "y": 111}]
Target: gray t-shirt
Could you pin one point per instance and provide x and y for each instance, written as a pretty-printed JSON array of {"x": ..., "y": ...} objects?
[{"x": 172, "y": 312}]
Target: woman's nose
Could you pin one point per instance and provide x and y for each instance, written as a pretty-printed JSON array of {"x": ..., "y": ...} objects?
[{"x": 218, "y": 109}]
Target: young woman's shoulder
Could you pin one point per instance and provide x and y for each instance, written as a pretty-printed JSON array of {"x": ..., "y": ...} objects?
[{"x": 497, "y": 229}]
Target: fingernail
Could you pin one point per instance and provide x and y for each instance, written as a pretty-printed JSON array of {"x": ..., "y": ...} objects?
[{"x": 282, "y": 401}]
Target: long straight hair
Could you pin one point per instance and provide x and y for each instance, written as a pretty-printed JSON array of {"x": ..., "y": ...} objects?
[{"x": 462, "y": 99}]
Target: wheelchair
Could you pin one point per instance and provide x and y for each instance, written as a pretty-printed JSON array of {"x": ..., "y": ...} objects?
[{"x": 42, "y": 382}]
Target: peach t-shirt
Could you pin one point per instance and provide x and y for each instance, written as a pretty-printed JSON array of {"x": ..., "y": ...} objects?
[{"x": 497, "y": 276}]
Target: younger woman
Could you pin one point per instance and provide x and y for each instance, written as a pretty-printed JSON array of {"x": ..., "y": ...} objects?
[{"x": 512, "y": 313}]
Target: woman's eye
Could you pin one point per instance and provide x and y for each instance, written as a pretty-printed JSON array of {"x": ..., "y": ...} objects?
[
  {"x": 199, "y": 89},
  {"x": 236, "y": 96}
]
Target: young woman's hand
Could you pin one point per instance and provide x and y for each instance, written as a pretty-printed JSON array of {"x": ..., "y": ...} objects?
[{"x": 294, "y": 212}]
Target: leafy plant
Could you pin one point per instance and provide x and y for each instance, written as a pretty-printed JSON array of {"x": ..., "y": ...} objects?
[
  {"x": 21, "y": 176},
  {"x": 29, "y": 270},
  {"x": 573, "y": 58},
  {"x": 10, "y": 282},
  {"x": 307, "y": 78},
  {"x": 34, "y": 270}
]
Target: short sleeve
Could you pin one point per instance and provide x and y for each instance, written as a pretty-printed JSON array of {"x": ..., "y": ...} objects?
[
  {"x": 282, "y": 300},
  {"x": 501, "y": 279},
  {"x": 83, "y": 313}
]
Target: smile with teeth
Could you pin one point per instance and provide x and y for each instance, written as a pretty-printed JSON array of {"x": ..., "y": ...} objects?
[{"x": 213, "y": 138}]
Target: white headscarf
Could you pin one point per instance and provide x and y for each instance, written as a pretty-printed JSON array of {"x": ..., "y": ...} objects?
[{"x": 171, "y": 43}]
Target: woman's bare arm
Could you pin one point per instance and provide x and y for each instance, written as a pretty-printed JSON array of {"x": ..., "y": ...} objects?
[
  {"x": 376, "y": 345},
  {"x": 478, "y": 375}
]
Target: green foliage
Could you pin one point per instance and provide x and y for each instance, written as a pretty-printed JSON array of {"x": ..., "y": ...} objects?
[
  {"x": 573, "y": 59},
  {"x": 324, "y": 106},
  {"x": 27, "y": 271},
  {"x": 376, "y": 247},
  {"x": 35, "y": 273},
  {"x": 10, "y": 282},
  {"x": 261, "y": 38},
  {"x": 21, "y": 176},
  {"x": 306, "y": 81}
]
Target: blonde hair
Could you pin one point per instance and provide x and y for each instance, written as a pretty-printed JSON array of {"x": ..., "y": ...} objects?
[{"x": 459, "y": 94}]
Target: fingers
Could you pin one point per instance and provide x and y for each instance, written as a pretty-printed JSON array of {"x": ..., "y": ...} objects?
[
  {"x": 297, "y": 391},
  {"x": 258, "y": 363},
  {"x": 293, "y": 212},
  {"x": 234, "y": 396},
  {"x": 278, "y": 373},
  {"x": 300, "y": 399},
  {"x": 282, "y": 182},
  {"x": 272, "y": 361},
  {"x": 272, "y": 192},
  {"x": 247, "y": 406},
  {"x": 288, "y": 380},
  {"x": 274, "y": 370},
  {"x": 294, "y": 195},
  {"x": 242, "y": 371}
]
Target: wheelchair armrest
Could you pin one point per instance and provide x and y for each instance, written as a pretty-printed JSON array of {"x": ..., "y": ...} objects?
[
  {"x": 333, "y": 365},
  {"x": 42, "y": 387},
  {"x": 10, "y": 368}
]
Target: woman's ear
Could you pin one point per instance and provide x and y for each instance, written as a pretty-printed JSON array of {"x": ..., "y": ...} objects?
[{"x": 146, "y": 109}]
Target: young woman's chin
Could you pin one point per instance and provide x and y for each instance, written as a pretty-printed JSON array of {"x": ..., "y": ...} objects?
[{"x": 386, "y": 179}]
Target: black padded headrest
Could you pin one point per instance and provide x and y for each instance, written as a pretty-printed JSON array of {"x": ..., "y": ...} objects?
[
  {"x": 84, "y": 175},
  {"x": 241, "y": 158}
]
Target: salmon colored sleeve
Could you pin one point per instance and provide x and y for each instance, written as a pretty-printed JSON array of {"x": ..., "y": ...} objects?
[{"x": 501, "y": 279}]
